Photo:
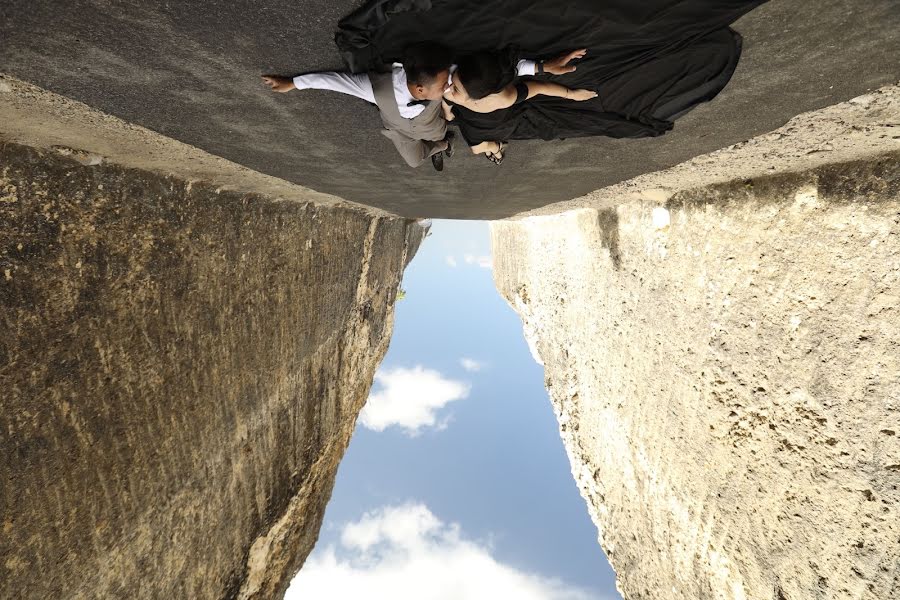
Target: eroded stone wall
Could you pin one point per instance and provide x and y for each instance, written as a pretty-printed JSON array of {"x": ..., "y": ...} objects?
[
  {"x": 180, "y": 371},
  {"x": 725, "y": 367}
]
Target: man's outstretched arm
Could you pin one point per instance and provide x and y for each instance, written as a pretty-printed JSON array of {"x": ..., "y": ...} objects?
[
  {"x": 557, "y": 66},
  {"x": 560, "y": 65},
  {"x": 346, "y": 83}
]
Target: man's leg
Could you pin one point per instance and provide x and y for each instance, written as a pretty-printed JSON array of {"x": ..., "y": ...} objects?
[{"x": 416, "y": 152}]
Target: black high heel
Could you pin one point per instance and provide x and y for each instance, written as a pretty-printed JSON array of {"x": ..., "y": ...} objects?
[{"x": 497, "y": 157}]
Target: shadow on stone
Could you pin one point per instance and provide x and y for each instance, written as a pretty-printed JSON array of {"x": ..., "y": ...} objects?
[{"x": 608, "y": 221}]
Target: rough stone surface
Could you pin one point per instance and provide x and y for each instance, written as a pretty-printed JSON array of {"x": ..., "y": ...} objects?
[
  {"x": 864, "y": 126},
  {"x": 725, "y": 367},
  {"x": 190, "y": 71},
  {"x": 33, "y": 116},
  {"x": 180, "y": 371}
]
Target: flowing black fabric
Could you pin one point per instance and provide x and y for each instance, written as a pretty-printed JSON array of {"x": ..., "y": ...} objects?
[
  {"x": 357, "y": 30},
  {"x": 649, "y": 61}
]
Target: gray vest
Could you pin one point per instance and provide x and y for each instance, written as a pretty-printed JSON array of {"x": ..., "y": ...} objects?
[{"x": 429, "y": 125}]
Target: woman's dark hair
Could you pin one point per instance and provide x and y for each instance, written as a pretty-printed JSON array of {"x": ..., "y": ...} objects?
[
  {"x": 423, "y": 61},
  {"x": 485, "y": 73}
]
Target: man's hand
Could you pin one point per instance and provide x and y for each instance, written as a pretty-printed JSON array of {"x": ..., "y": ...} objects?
[
  {"x": 278, "y": 84},
  {"x": 560, "y": 65}
]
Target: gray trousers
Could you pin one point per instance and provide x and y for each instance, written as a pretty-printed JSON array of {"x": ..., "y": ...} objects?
[{"x": 414, "y": 152}]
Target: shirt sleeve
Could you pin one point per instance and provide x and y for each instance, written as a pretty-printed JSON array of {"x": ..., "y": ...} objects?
[
  {"x": 357, "y": 85},
  {"x": 526, "y": 67}
]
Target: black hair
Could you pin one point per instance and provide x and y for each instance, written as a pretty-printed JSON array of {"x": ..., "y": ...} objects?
[
  {"x": 485, "y": 73},
  {"x": 423, "y": 61}
]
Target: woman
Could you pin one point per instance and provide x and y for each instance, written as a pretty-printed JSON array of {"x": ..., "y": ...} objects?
[
  {"x": 486, "y": 82},
  {"x": 650, "y": 61}
]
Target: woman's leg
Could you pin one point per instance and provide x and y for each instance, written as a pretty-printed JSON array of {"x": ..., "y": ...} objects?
[
  {"x": 493, "y": 151},
  {"x": 485, "y": 148}
]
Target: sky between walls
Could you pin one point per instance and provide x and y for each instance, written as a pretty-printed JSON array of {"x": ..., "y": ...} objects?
[{"x": 456, "y": 485}]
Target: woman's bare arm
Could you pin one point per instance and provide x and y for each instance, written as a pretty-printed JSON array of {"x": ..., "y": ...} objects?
[
  {"x": 448, "y": 112},
  {"x": 546, "y": 88},
  {"x": 502, "y": 99},
  {"x": 507, "y": 96}
]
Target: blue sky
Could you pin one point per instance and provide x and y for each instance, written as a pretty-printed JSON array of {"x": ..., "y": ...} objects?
[{"x": 456, "y": 470}]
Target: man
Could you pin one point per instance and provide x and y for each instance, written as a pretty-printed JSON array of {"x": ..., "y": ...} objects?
[{"x": 408, "y": 98}]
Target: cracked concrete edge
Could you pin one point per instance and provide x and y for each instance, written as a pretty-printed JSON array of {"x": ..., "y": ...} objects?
[
  {"x": 860, "y": 128},
  {"x": 32, "y": 116}
]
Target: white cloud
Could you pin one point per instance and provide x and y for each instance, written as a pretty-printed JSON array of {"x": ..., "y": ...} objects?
[
  {"x": 406, "y": 553},
  {"x": 480, "y": 260},
  {"x": 483, "y": 261},
  {"x": 410, "y": 398},
  {"x": 470, "y": 364}
]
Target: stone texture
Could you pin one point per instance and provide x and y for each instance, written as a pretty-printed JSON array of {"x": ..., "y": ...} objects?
[
  {"x": 190, "y": 70},
  {"x": 32, "y": 116},
  {"x": 861, "y": 127},
  {"x": 180, "y": 371},
  {"x": 725, "y": 367}
]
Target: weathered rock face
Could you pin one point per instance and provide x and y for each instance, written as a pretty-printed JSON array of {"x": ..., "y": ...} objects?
[
  {"x": 725, "y": 366},
  {"x": 180, "y": 371}
]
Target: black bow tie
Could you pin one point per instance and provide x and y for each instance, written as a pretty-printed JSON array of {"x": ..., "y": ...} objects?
[{"x": 418, "y": 102}]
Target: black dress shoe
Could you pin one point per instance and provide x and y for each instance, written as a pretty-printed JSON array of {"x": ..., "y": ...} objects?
[
  {"x": 449, "y": 139},
  {"x": 438, "y": 161}
]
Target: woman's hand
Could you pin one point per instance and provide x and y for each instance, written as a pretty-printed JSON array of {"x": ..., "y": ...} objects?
[
  {"x": 581, "y": 95},
  {"x": 278, "y": 84},
  {"x": 448, "y": 112},
  {"x": 560, "y": 65}
]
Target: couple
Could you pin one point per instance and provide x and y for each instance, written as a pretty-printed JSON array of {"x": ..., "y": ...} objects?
[{"x": 424, "y": 91}]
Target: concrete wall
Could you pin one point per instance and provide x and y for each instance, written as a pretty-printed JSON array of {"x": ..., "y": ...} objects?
[{"x": 180, "y": 371}]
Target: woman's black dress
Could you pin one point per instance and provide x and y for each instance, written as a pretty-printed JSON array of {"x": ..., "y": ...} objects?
[{"x": 649, "y": 61}]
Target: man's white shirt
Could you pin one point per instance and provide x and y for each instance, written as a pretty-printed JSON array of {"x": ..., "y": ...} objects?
[{"x": 360, "y": 86}]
